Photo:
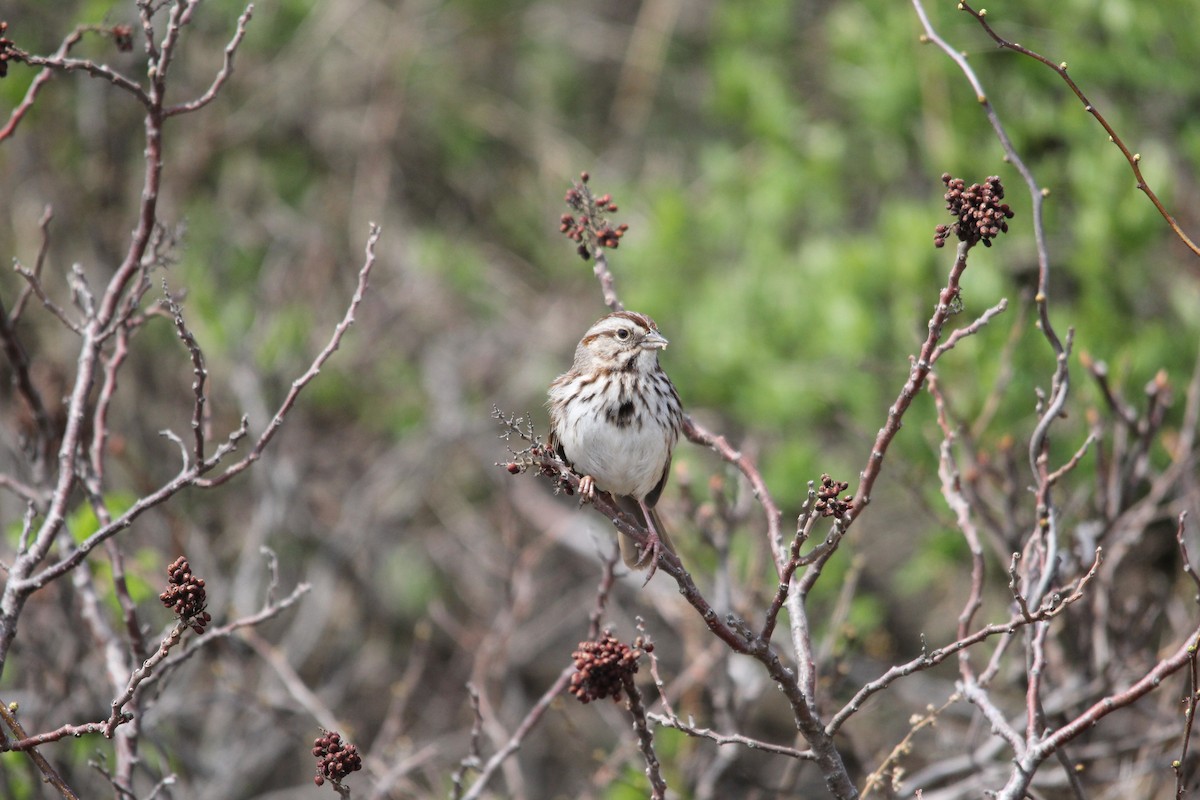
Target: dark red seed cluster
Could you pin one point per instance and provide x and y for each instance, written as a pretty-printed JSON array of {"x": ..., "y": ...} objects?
[
  {"x": 602, "y": 667},
  {"x": 828, "y": 502},
  {"x": 123, "y": 37},
  {"x": 335, "y": 760},
  {"x": 590, "y": 226},
  {"x": 980, "y": 215},
  {"x": 6, "y": 47},
  {"x": 185, "y": 595}
]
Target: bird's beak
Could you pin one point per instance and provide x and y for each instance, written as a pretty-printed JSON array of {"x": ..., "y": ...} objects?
[{"x": 654, "y": 341}]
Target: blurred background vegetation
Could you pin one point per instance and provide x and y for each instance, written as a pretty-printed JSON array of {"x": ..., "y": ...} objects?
[{"x": 778, "y": 162}]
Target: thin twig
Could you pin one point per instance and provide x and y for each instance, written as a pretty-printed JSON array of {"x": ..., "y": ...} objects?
[
  {"x": 1047, "y": 611},
  {"x": 108, "y": 390},
  {"x": 48, "y": 303},
  {"x": 785, "y": 580},
  {"x": 921, "y": 365},
  {"x": 314, "y": 369},
  {"x": 8, "y": 715},
  {"x": 1060, "y": 69},
  {"x": 213, "y": 635},
  {"x": 1189, "y": 712},
  {"x": 58, "y": 63},
  {"x": 38, "y": 264},
  {"x": 518, "y": 736},
  {"x": 38, "y": 82},
  {"x": 474, "y": 756},
  {"x": 700, "y": 435},
  {"x": 658, "y": 786},
  {"x": 605, "y": 276},
  {"x": 224, "y": 73},
  {"x": 199, "y": 374},
  {"x": 877, "y": 780},
  {"x": 722, "y": 739},
  {"x": 304, "y": 696},
  {"x": 1036, "y": 193},
  {"x": 961, "y": 333}
]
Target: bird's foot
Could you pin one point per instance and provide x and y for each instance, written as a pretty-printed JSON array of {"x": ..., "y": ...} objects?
[
  {"x": 587, "y": 489},
  {"x": 650, "y": 553}
]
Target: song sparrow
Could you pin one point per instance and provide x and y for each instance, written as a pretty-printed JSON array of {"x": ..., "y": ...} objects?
[{"x": 615, "y": 417}]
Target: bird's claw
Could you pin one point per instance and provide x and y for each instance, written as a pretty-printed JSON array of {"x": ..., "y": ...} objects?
[
  {"x": 650, "y": 554},
  {"x": 587, "y": 488}
]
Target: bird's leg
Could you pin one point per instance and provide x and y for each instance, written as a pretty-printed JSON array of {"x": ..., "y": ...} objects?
[{"x": 654, "y": 545}]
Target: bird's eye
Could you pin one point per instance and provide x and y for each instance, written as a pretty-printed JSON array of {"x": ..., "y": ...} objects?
[{"x": 622, "y": 333}]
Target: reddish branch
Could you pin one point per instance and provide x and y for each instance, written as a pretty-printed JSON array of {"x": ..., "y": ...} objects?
[
  {"x": 289, "y": 402},
  {"x": 42, "y": 78},
  {"x": 1060, "y": 69},
  {"x": 522, "y": 730},
  {"x": 658, "y": 786},
  {"x": 731, "y": 630},
  {"x": 798, "y": 686},
  {"x": 1047, "y": 611},
  {"x": 1036, "y": 193},
  {"x": 698, "y": 434},
  {"x": 199, "y": 372},
  {"x": 918, "y": 372},
  {"x": 107, "y": 321},
  {"x": 8, "y": 715},
  {"x": 1032, "y": 754}
]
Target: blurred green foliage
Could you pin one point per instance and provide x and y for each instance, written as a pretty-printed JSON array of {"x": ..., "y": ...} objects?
[{"x": 782, "y": 190}]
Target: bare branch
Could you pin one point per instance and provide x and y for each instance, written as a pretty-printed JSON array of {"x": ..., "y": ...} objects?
[
  {"x": 1060, "y": 69},
  {"x": 697, "y": 434},
  {"x": 658, "y": 787},
  {"x": 920, "y": 369},
  {"x": 891, "y": 764},
  {"x": 1047, "y": 611},
  {"x": 54, "y": 308},
  {"x": 224, "y": 73},
  {"x": 1189, "y": 711},
  {"x": 474, "y": 757},
  {"x": 1036, "y": 193},
  {"x": 970, "y": 330},
  {"x": 139, "y": 676},
  {"x": 38, "y": 82},
  {"x": 1029, "y": 758},
  {"x": 57, "y": 63},
  {"x": 270, "y": 610},
  {"x": 200, "y": 374},
  {"x": 38, "y": 264},
  {"x": 672, "y": 721},
  {"x": 518, "y": 736},
  {"x": 298, "y": 385},
  {"x": 8, "y": 715}
]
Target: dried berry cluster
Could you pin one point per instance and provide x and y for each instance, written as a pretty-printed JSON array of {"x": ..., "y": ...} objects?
[
  {"x": 6, "y": 47},
  {"x": 185, "y": 595},
  {"x": 533, "y": 457},
  {"x": 828, "y": 502},
  {"x": 980, "y": 214},
  {"x": 335, "y": 760},
  {"x": 123, "y": 37},
  {"x": 602, "y": 667},
  {"x": 591, "y": 223}
]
